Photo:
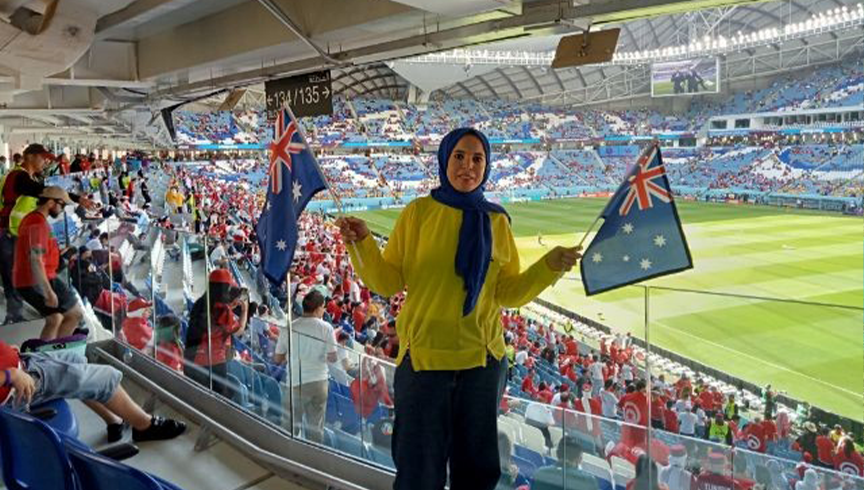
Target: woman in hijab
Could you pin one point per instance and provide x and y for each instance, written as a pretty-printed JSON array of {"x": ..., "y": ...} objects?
[{"x": 455, "y": 253}]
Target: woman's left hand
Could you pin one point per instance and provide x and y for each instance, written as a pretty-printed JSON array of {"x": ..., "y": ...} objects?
[{"x": 562, "y": 259}]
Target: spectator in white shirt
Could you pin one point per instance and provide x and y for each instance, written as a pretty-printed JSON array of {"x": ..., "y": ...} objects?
[
  {"x": 521, "y": 357},
  {"x": 687, "y": 422},
  {"x": 626, "y": 372},
  {"x": 609, "y": 401},
  {"x": 314, "y": 346},
  {"x": 539, "y": 415}
]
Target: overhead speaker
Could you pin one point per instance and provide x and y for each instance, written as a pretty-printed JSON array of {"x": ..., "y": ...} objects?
[{"x": 586, "y": 49}]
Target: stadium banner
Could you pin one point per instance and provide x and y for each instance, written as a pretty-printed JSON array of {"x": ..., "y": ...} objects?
[{"x": 686, "y": 77}]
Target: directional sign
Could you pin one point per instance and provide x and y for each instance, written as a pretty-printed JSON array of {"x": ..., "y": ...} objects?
[{"x": 310, "y": 94}]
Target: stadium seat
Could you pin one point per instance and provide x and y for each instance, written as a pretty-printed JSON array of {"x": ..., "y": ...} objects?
[
  {"x": 534, "y": 457},
  {"x": 21, "y": 438},
  {"x": 348, "y": 443},
  {"x": 97, "y": 472},
  {"x": 273, "y": 406},
  {"x": 526, "y": 468},
  {"x": 62, "y": 419}
]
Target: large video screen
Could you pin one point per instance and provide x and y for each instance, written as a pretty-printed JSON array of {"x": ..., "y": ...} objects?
[{"x": 688, "y": 77}]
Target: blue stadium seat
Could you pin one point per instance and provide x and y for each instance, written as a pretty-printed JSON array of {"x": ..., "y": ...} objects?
[
  {"x": 529, "y": 455},
  {"x": 351, "y": 422},
  {"x": 273, "y": 395},
  {"x": 97, "y": 472},
  {"x": 348, "y": 443},
  {"x": 21, "y": 438},
  {"x": 526, "y": 468},
  {"x": 63, "y": 421}
]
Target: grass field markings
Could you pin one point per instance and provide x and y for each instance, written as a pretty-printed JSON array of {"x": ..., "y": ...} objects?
[
  {"x": 759, "y": 360},
  {"x": 804, "y": 287}
]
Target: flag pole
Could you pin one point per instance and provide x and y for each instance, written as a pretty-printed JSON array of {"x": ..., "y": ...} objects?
[
  {"x": 336, "y": 199},
  {"x": 290, "y": 375}
]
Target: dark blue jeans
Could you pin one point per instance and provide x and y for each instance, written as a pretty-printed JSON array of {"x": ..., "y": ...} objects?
[{"x": 447, "y": 417}]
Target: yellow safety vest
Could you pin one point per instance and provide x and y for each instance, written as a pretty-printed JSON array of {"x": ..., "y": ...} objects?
[
  {"x": 718, "y": 432},
  {"x": 23, "y": 206}
]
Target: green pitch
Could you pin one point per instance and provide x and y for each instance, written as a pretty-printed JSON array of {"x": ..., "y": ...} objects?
[{"x": 815, "y": 353}]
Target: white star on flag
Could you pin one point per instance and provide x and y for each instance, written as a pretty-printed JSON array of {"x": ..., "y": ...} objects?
[
  {"x": 626, "y": 258},
  {"x": 597, "y": 257},
  {"x": 281, "y": 245},
  {"x": 627, "y": 228},
  {"x": 645, "y": 264},
  {"x": 659, "y": 240},
  {"x": 297, "y": 190}
]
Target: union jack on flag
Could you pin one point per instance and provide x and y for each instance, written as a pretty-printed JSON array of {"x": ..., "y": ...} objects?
[
  {"x": 283, "y": 146},
  {"x": 638, "y": 242},
  {"x": 644, "y": 184}
]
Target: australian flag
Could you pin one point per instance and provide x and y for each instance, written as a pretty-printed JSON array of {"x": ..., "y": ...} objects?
[
  {"x": 294, "y": 178},
  {"x": 641, "y": 236}
]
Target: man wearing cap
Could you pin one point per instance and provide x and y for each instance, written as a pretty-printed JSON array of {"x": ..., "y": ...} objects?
[
  {"x": 20, "y": 183},
  {"x": 675, "y": 475},
  {"x": 34, "y": 273}
]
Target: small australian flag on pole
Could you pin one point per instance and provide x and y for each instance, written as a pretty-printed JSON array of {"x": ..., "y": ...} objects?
[
  {"x": 641, "y": 236},
  {"x": 294, "y": 177}
]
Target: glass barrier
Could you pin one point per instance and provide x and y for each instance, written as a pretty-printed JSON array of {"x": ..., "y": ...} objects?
[{"x": 586, "y": 409}]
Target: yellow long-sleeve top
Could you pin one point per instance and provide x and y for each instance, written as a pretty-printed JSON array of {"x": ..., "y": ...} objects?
[{"x": 420, "y": 255}]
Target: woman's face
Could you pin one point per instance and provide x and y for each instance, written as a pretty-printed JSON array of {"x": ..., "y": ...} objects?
[{"x": 467, "y": 164}]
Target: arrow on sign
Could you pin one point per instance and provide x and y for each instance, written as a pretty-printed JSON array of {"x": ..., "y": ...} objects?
[{"x": 326, "y": 92}]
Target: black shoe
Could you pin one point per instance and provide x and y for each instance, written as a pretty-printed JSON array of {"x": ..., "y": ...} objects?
[
  {"x": 81, "y": 331},
  {"x": 115, "y": 432},
  {"x": 160, "y": 429}
]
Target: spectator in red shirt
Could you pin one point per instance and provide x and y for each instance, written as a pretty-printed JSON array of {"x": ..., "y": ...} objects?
[
  {"x": 136, "y": 326},
  {"x": 658, "y": 410},
  {"x": 209, "y": 338},
  {"x": 544, "y": 394},
  {"x": 825, "y": 449},
  {"x": 572, "y": 346},
  {"x": 847, "y": 459},
  {"x": 754, "y": 435},
  {"x": 34, "y": 273},
  {"x": 528, "y": 384},
  {"x": 770, "y": 430},
  {"x": 671, "y": 417},
  {"x": 634, "y": 407}
]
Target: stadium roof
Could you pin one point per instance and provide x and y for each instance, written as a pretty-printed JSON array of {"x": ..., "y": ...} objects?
[
  {"x": 118, "y": 62},
  {"x": 525, "y": 82}
]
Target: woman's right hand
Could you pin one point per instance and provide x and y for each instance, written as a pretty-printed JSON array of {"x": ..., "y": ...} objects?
[{"x": 353, "y": 229}]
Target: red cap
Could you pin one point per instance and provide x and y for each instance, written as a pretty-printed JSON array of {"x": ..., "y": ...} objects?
[{"x": 222, "y": 276}]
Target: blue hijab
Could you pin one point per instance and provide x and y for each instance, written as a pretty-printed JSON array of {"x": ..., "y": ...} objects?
[{"x": 474, "y": 252}]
